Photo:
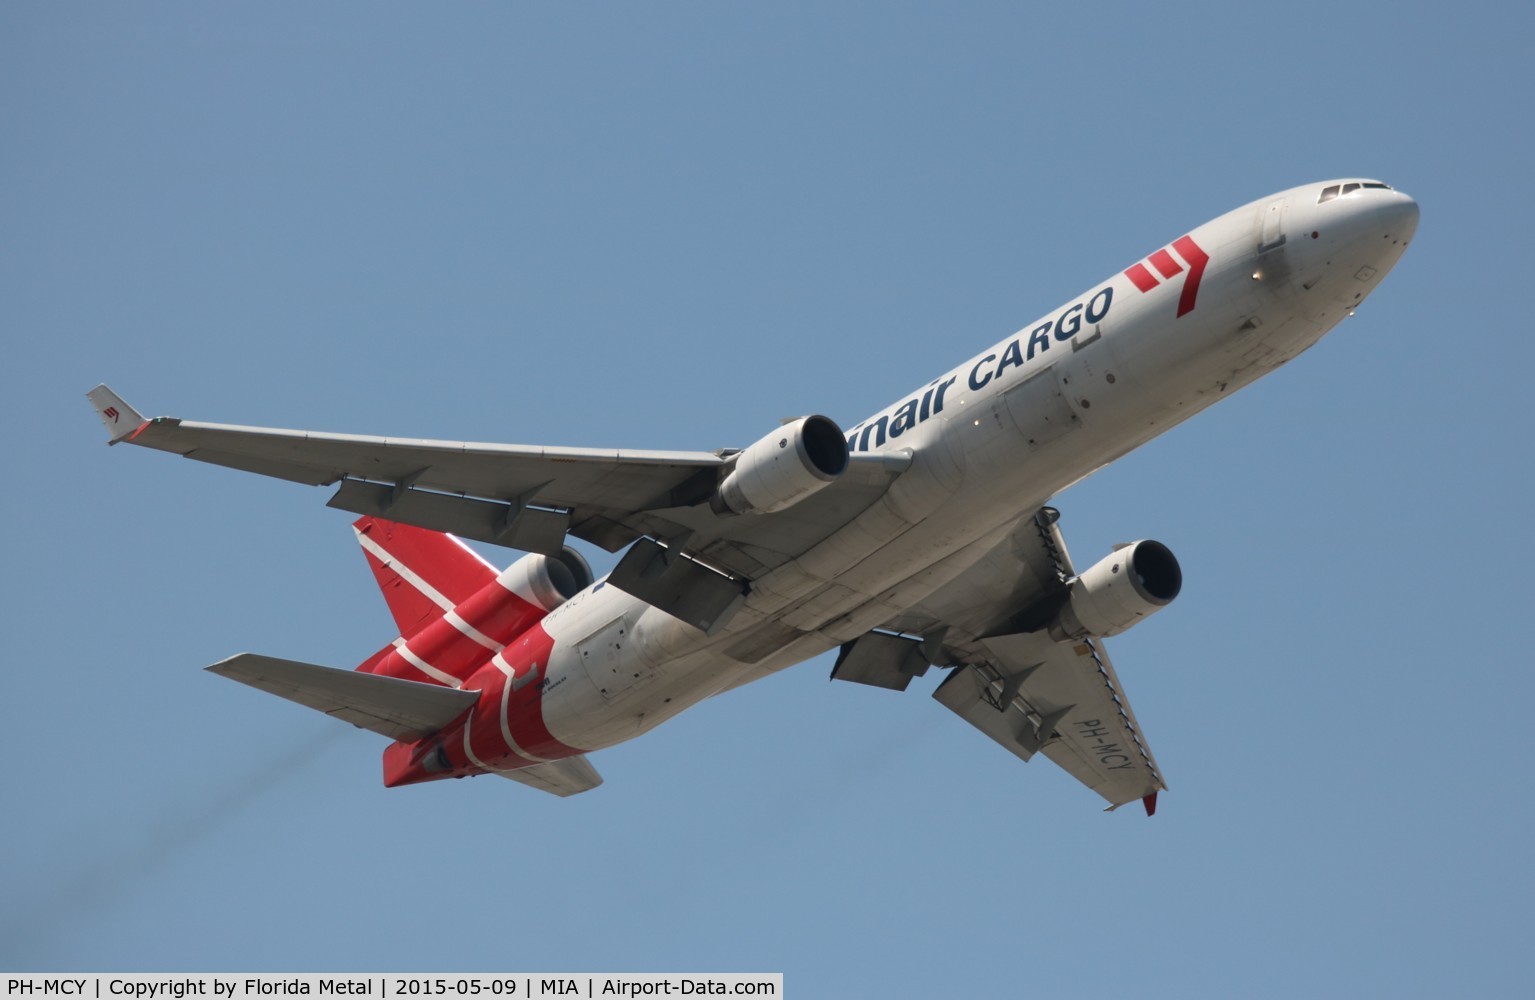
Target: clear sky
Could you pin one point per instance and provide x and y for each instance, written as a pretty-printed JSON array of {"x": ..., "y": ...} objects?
[{"x": 668, "y": 226}]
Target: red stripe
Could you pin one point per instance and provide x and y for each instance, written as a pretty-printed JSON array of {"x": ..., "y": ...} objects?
[
  {"x": 410, "y": 608},
  {"x": 449, "y": 650},
  {"x": 529, "y": 658},
  {"x": 388, "y": 662},
  {"x": 1142, "y": 277},
  {"x": 499, "y": 613},
  {"x": 486, "y": 738},
  {"x": 525, "y": 712},
  {"x": 494, "y": 612},
  {"x": 1164, "y": 262},
  {"x": 438, "y": 559},
  {"x": 1197, "y": 259},
  {"x": 406, "y": 764}
]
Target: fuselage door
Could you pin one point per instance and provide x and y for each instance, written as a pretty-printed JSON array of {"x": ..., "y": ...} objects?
[
  {"x": 1039, "y": 406},
  {"x": 1271, "y": 231},
  {"x": 612, "y": 667}
]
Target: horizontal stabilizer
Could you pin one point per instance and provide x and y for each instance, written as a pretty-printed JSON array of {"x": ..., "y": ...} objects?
[
  {"x": 399, "y": 709},
  {"x": 558, "y": 777}
]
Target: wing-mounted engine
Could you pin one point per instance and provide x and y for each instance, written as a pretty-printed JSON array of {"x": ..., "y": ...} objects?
[
  {"x": 1127, "y": 586},
  {"x": 1019, "y": 628},
  {"x": 800, "y": 458}
]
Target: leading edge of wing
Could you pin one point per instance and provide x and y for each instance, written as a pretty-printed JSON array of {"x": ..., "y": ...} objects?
[
  {"x": 316, "y": 458},
  {"x": 186, "y": 437}
]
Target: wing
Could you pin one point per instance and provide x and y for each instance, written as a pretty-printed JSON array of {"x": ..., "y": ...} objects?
[
  {"x": 1031, "y": 695},
  {"x": 528, "y": 497},
  {"x": 1010, "y": 679},
  {"x": 406, "y": 475}
]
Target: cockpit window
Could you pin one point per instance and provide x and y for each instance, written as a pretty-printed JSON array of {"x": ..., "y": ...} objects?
[{"x": 1344, "y": 190}]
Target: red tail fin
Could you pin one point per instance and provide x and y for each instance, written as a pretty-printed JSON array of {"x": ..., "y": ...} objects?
[{"x": 422, "y": 573}]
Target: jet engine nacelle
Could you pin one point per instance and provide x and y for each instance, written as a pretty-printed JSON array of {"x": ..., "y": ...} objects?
[
  {"x": 1129, "y": 585},
  {"x": 547, "y": 581},
  {"x": 800, "y": 458},
  {"x": 452, "y": 645}
]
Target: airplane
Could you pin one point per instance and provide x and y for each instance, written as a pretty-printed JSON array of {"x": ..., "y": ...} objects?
[{"x": 920, "y": 537}]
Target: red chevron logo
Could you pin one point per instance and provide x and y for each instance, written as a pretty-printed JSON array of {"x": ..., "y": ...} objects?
[
  {"x": 111, "y": 411},
  {"x": 1168, "y": 267}
]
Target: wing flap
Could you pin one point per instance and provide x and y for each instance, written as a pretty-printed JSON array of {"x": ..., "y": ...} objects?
[
  {"x": 401, "y": 710},
  {"x": 526, "y": 528},
  {"x": 1065, "y": 700},
  {"x": 968, "y": 693},
  {"x": 1025, "y": 692},
  {"x": 880, "y": 659}
]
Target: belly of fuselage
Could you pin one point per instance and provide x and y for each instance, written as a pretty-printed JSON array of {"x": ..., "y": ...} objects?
[{"x": 1000, "y": 451}]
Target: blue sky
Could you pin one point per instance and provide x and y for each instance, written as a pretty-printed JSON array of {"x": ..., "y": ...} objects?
[{"x": 669, "y": 226}]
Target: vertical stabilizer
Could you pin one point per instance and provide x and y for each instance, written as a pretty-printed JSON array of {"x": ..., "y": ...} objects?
[{"x": 423, "y": 574}]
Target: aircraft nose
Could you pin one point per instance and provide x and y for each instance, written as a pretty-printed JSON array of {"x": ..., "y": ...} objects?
[
  {"x": 1398, "y": 215},
  {"x": 1350, "y": 241},
  {"x": 1374, "y": 220}
]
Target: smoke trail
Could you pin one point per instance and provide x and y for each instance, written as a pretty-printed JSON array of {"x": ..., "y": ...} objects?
[
  {"x": 890, "y": 748},
  {"x": 136, "y": 855}
]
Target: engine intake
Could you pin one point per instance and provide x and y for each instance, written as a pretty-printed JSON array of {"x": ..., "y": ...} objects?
[
  {"x": 548, "y": 581},
  {"x": 785, "y": 467},
  {"x": 1126, "y": 587}
]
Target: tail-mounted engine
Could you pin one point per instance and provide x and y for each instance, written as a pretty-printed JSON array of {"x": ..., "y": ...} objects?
[
  {"x": 1128, "y": 586},
  {"x": 451, "y": 647},
  {"x": 800, "y": 458},
  {"x": 547, "y": 581}
]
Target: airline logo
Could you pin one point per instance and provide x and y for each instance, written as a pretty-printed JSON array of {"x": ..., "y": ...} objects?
[{"x": 1168, "y": 267}]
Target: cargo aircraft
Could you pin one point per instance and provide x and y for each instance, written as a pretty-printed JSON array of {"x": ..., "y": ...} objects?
[{"x": 918, "y": 537}]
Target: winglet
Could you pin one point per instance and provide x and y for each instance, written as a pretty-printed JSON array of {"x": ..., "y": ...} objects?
[
  {"x": 1150, "y": 803},
  {"x": 121, "y": 420}
]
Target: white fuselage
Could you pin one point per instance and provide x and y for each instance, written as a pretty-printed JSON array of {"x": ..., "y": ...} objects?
[{"x": 993, "y": 439}]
